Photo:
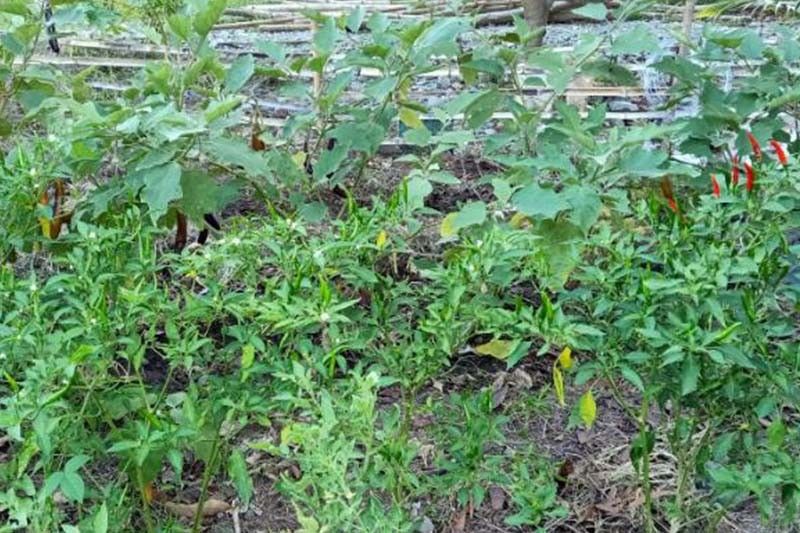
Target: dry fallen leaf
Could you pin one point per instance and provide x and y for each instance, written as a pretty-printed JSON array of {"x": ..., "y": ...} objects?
[
  {"x": 426, "y": 526},
  {"x": 211, "y": 507},
  {"x": 566, "y": 469},
  {"x": 522, "y": 379},
  {"x": 497, "y": 497},
  {"x": 499, "y": 390},
  {"x": 459, "y": 522}
]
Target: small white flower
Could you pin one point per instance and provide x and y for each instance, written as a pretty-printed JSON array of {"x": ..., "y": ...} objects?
[
  {"x": 33, "y": 287},
  {"x": 93, "y": 321},
  {"x": 92, "y": 235},
  {"x": 3, "y": 356},
  {"x": 478, "y": 243},
  {"x": 324, "y": 317},
  {"x": 33, "y": 171},
  {"x": 51, "y": 138},
  {"x": 236, "y": 241}
]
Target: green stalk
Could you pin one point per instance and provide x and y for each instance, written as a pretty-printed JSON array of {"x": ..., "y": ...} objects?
[
  {"x": 649, "y": 525},
  {"x": 148, "y": 519},
  {"x": 198, "y": 514}
]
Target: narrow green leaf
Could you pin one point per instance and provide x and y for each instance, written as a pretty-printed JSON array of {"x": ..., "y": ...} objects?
[
  {"x": 588, "y": 408},
  {"x": 237, "y": 470},
  {"x": 100, "y": 520},
  {"x": 690, "y": 373}
]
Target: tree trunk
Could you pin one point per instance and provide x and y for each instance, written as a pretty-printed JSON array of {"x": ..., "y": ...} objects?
[{"x": 535, "y": 12}]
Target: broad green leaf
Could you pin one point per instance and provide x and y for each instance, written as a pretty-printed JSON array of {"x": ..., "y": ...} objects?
[
  {"x": 594, "y": 11},
  {"x": 330, "y": 161},
  {"x": 585, "y": 204},
  {"x": 482, "y": 108},
  {"x": 276, "y": 51},
  {"x": 355, "y": 19},
  {"x": 12, "y": 44},
  {"x": 180, "y": 25},
  {"x": 470, "y": 214},
  {"x": 537, "y": 202},
  {"x": 202, "y": 195},
  {"x": 560, "y": 245},
  {"x": 16, "y": 7},
  {"x": 378, "y": 23},
  {"x": 443, "y": 177},
  {"x": 361, "y": 136},
  {"x": 417, "y": 190},
  {"x": 629, "y": 374},
  {"x": 205, "y": 20},
  {"x": 72, "y": 486},
  {"x": 325, "y": 37},
  {"x": 239, "y": 73},
  {"x": 379, "y": 89},
  {"x": 439, "y": 38},
  {"x": 587, "y": 408},
  {"x": 162, "y": 185},
  {"x": 236, "y": 153},
  {"x": 157, "y": 157},
  {"x": 313, "y": 212},
  {"x": 75, "y": 463},
  {"x": 642, "y": 162},
  {"x": 638, "y": 40}
]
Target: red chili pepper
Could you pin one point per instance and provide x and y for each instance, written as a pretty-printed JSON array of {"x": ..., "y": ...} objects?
[
  {"x": 715, "y": 190},
  {"x": 750, "y": 176},
  {"x": 754, "y": 143},
  {"x": 780, "y": 152},
  {"x": 666, "y": 190},
  {"x": 673, "y": 204},
  {"x": 735, "y": 170}
]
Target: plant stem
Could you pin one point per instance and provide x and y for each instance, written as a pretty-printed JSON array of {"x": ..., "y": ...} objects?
[
  {"x": 212, "y": 459},
  {"x": 148, "y": 519},
  {"x": 649, "y": 526}
]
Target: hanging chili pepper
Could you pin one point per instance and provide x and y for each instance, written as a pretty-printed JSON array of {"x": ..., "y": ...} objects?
[
  {"x": 673, "y": 204},
  {"x": 666, "y": 190},
  {"x": 780, "y": 152},
  {"x": 754, "y": 144},
  {"x": 750, "y": 176},
  {"x": 735, "y": 170},
  {"x": 715, "y": 189}
]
